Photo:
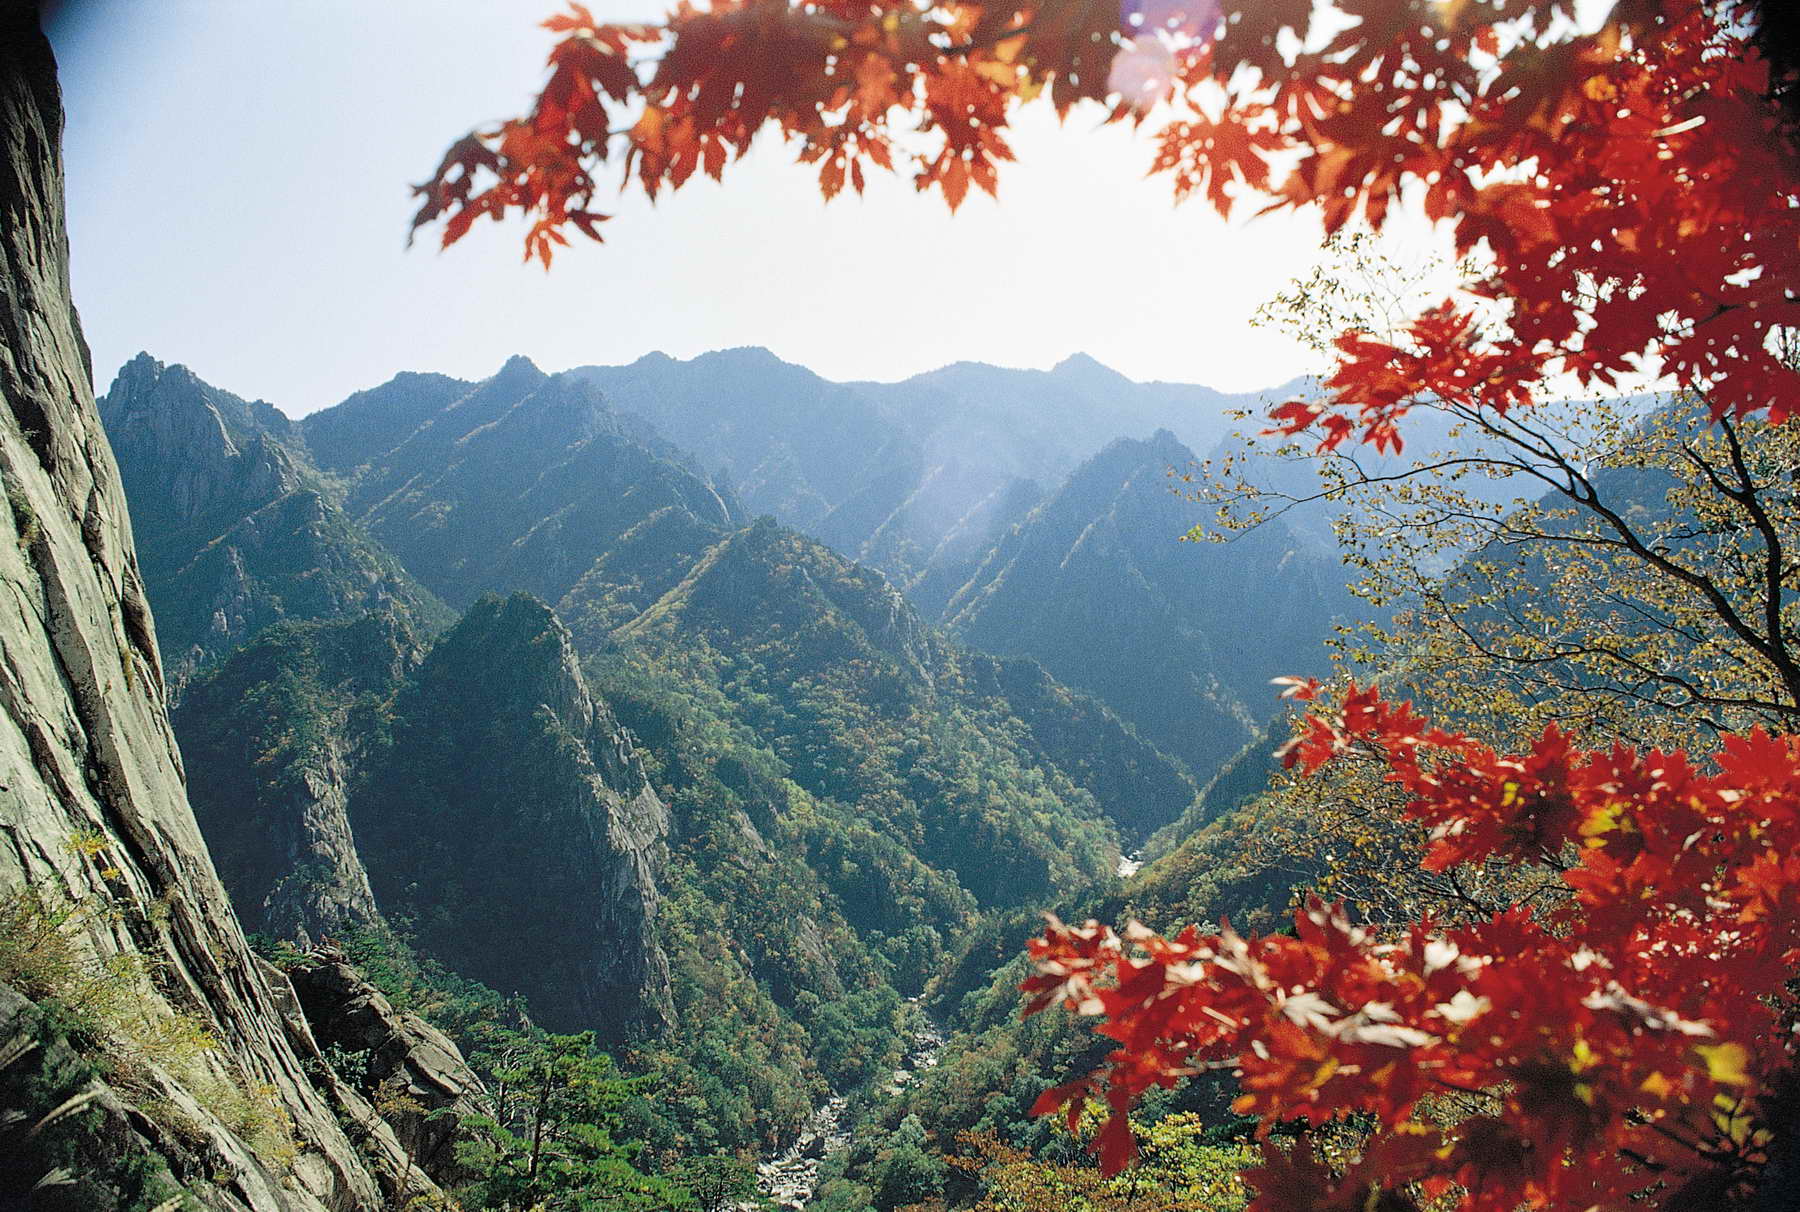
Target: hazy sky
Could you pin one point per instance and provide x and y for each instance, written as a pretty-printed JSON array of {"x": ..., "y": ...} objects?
[{"x": 238, "y": 195}]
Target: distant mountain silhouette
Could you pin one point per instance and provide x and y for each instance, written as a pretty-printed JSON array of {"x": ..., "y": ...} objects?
[
  {"x": 1179, "y": 638},
  {"x": 916, "y": 478}
]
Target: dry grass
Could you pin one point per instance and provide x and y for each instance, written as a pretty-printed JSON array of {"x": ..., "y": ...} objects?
[{"x": 110, "y": 1008}]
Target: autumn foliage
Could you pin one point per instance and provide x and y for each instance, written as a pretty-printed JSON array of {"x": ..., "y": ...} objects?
[
  {"x": 1629, "y": 189},
  {"x": 1630, "y": 1036},
  {"x": 1629, "y": 196}
]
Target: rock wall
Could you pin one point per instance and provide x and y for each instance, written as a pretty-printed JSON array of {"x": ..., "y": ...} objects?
[
  {"x": 93, "y": 811},
  {"x": 273, "y": 738}
]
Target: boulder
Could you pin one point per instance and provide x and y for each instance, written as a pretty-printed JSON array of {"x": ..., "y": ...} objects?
[{"x": 413, "y": 1075}]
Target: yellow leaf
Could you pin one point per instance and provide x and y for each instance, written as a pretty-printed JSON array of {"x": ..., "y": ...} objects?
[
  {"x": 1004, "y": 74},
  {"x": 1726, "y": 1063}
]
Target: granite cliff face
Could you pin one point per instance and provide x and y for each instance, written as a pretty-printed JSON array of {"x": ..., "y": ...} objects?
[
  {"x": 93, "y": 814},
  {"x": 274, "y": 741}
]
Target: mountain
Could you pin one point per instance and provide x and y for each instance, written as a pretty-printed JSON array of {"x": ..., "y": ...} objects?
[
  {"x": 730, "y": 823},
  {"x": 510, "y": 820},
  {"x": 915, "y": 478},
  {"x": 1007, "y": 505},
  {"x": 716, "y": 791},
  {"x": 869, "y": 708},
  {"x": 356, "y": 777},
  {"x": 476, "y": 789},
  {"x": 236, "y": 529},
  {"x": 1179, "y": 638},
  {"x": 520, "y": 482},
  {"x": 535, "y": 482}
]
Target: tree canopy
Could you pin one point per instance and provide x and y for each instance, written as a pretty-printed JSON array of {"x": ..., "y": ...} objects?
[
  {"x": 1625, "y": 194},
  {"x": 1623, "y": 184}
]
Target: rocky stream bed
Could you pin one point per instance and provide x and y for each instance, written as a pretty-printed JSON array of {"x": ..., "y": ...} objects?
[{"x": 790, "y": 1178}]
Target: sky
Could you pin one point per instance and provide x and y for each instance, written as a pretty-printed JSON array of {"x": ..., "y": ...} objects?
[{"x": 238, "y": 195}]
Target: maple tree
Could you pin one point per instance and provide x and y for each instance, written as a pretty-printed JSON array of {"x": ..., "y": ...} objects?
[
  {"x": 1632, "y": 1039},
  {"x": 1628, "y": 188},
  {"x": 1622, "y": 564},
  {"x": 1627, "y": 197}
]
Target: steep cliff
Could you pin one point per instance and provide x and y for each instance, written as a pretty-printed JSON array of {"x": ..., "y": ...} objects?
[
  {"x": 510, "y": 820},
  {"x": 274, "y": 740},
  {"x": 188, "y": 1067}
]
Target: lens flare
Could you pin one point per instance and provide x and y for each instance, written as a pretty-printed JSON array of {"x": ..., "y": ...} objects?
[
  {"x": 1142, "y": 72},
  {"x": 1198, "y": 19}
]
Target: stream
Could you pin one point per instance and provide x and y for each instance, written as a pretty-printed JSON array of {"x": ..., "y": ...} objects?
[{"x": 791, "y": 1177}]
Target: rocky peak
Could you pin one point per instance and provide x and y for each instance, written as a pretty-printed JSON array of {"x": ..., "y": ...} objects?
[
  {"x": 235, "y": 528},
  {"x": 1089, "y": 372},
  {"x": 518, "y": 651},
  {"x": 524, "y": 656},
  {"x": 190, "y": 450},
  {"x": 518, "y": 372},
  {"x": 767, "y": 574},
  {"x": 511, "y": 818},
  {"x": 145, "y": 385}
]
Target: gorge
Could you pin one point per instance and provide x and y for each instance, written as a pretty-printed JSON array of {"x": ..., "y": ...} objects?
[{"x": 502, "y": 695}]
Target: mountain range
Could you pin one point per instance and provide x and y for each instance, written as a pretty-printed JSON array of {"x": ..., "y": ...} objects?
[{"x": 690, "y": 756}]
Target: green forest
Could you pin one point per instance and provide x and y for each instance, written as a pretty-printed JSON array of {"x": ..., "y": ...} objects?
[{"x": 702, "y": 784}]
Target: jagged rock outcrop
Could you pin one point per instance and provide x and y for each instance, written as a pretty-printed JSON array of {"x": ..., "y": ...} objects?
[
  {"x": 510, "y": 819},
  {"x": 92, "y": 806},
  {"x": 274, "y": 739},
  {"x": 409, "y": 1069},
  {"x": 236, "y": 530}
]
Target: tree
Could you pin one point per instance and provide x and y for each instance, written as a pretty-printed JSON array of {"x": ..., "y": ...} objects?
[
  {"x": 1628, "y": 188},
  {"x": 1628, "y": 1046},
  {"x": 716, "y": 1182},
  {"x": 1620, "y": 564},
  {"x": 554, "y": 1140},
  {"x": 1626, "y": 194},
  {"x": 1180, "y": 1171}
]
